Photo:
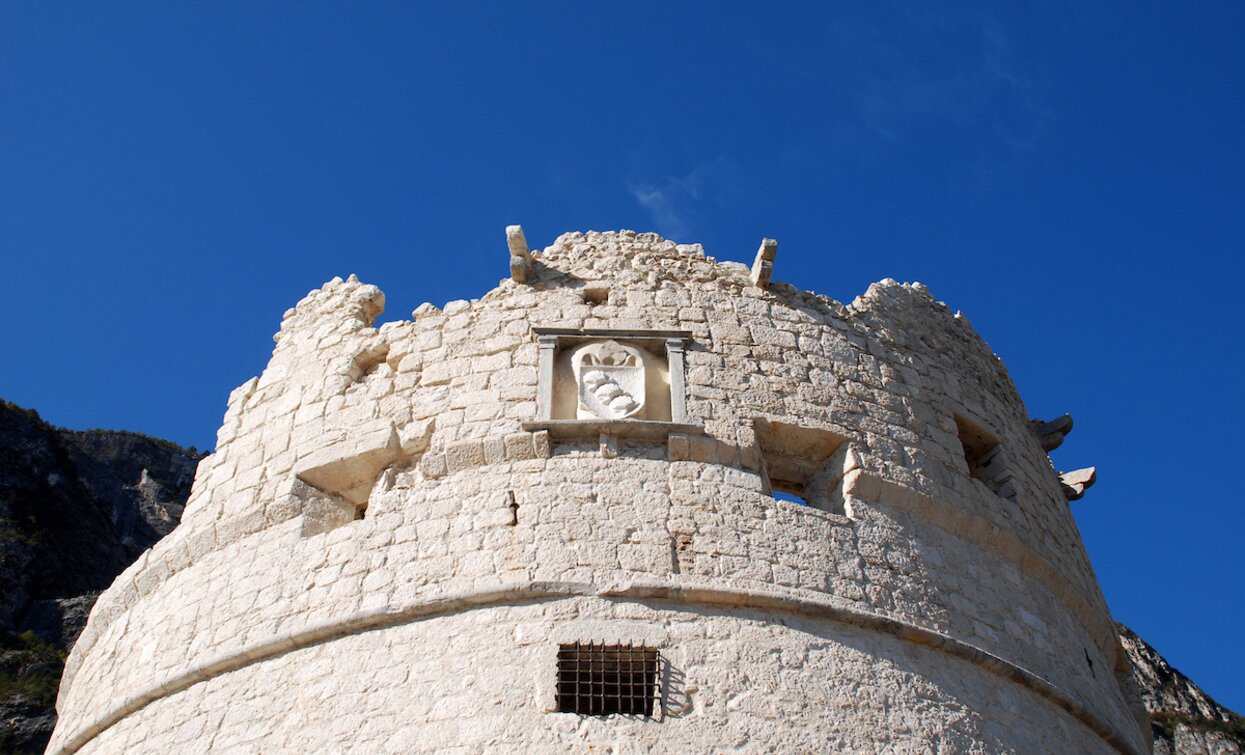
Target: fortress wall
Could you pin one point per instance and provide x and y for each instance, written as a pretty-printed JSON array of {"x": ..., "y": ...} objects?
[
  {"x": 955, "y": 372},
  {"x": 593, "y": 526},
  {"x": 481, "y": 680},
  {"x": 446, "y": 395}
]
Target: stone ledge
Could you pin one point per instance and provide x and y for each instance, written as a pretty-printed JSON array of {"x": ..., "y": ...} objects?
[
  {"x": 624, "y": 333},
  {"x": 591, "y": 429},
  {"x": 479, "y": 452}
]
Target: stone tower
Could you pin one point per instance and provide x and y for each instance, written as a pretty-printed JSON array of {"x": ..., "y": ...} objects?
[{"x": 632, "y": 499}]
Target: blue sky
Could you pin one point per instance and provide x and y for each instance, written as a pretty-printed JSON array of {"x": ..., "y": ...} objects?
[{"x": 174, "y": 176}]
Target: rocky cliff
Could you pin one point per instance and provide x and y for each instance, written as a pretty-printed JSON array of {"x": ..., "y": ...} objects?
[
  {"x": 76, "y": 508},
  {"x": 1185, "y": 720}
]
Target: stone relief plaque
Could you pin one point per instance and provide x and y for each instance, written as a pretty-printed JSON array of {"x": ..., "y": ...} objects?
[
  {"x": 625, "y": 379},
  {"x": 611, "y": 380}
]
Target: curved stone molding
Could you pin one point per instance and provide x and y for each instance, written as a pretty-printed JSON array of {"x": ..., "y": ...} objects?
[{"x": 707, "y": 594}]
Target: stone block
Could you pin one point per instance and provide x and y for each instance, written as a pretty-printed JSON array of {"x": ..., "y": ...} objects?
[
  {"x": 519, "y": 447},
  {"x": 349, "y": 468},
  {"x": 678, "y": 447},
  {"x": 494, "y": 450},
  {"x": 540, "y": 444}
]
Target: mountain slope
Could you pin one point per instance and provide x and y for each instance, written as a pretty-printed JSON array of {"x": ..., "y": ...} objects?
[
  {"x": 76, "y": 508},
  {"x": 1185, "y": 719}
]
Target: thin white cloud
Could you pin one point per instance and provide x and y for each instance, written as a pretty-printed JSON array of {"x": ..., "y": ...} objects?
[{"x": 674, "y": 202}]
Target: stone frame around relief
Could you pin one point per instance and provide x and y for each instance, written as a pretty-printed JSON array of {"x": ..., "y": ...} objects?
[{"x": 558, "y": 399}]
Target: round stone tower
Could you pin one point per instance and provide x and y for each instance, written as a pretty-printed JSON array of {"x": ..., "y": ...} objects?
[{"x": 632, "y": 499}]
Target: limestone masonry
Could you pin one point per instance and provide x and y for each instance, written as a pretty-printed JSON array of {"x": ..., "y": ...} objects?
[{"x": 631, "y": 480}]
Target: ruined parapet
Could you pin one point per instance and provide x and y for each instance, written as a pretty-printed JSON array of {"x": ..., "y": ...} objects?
[{"x": 805, "y": 526}]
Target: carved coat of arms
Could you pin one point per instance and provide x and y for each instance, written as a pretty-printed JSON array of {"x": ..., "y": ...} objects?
[{"x": 610, "y": 377}]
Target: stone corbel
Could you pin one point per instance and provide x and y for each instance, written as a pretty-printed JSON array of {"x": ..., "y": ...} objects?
[
  {"x": 520, "y": 256},
  {"x": 349, "y": 468},
  {"x": 763, "y": 267},
  {"x": 1051, "y": 434},
  {"x": 1076, "y": 482}
]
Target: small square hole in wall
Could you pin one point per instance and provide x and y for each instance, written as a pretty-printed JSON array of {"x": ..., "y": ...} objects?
[
  {"x": 595, "y": 296},
  {"x": 601, "y": 680}
]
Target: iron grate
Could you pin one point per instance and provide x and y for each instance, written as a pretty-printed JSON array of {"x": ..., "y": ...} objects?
[{"x": 600, "y": 680}]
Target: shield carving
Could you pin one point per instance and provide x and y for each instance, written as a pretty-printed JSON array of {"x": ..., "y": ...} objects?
[{"x": 610, "y": 377}]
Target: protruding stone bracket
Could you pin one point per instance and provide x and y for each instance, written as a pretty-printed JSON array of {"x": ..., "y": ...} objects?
[
  {"x": 349, "y": 468},
  {"x": 1076, "y": 482},
  {"x": 1051, "y": 434},
  {"x": 415, "y": 438},
  {"x": 520, "y": 257},
  {"x": 763, "y": 267}
]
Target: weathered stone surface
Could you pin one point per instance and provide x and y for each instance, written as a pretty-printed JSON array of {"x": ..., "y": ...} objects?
[
  {"x": 1185, "y": 720},
  {"x": 349, "y": 468},
  {"x": 76, "y": 507},
  {"x": 929, "y": 605}
]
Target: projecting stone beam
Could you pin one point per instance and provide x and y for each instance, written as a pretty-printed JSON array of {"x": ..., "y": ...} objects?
[
  {"x": 1051, "y": 434},
  {"x": 349, "y": 468},
  {"x": 763, "y": 267},
  {"x": 1076, "y": 482},
  {"x": 520, "y": 257}
]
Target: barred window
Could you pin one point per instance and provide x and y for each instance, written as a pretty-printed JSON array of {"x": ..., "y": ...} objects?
[{"x": 600, "y": 680}]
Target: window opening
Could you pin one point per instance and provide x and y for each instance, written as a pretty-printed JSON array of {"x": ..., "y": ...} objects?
[
  {"x": 985, "y": 457},
  {"x": 978, "y": 446},
  {"x": 803, "y": 465},
  {"x": 601, "y": 680},
  {"x": 783, "y": 495}
]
